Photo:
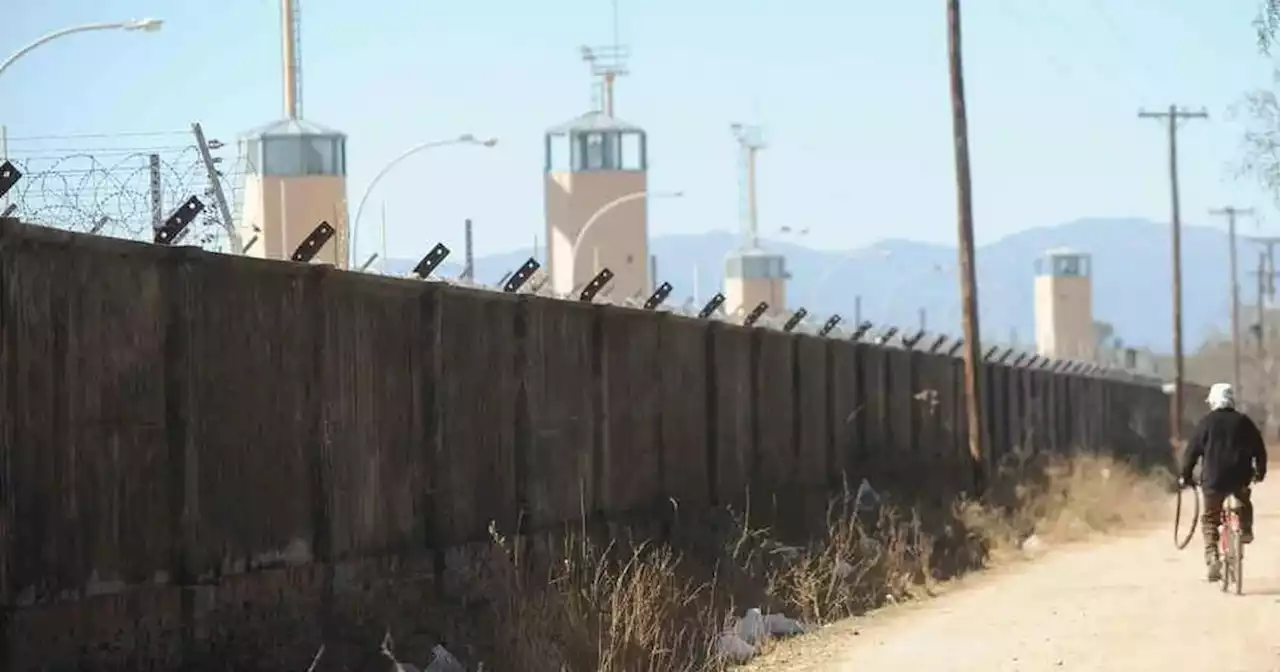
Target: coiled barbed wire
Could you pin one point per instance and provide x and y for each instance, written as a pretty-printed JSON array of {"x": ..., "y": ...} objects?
[{"x": 108, "y": 191}]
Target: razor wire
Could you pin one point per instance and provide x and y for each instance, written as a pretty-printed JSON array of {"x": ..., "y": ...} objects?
[{"x": 109, "y": 192}]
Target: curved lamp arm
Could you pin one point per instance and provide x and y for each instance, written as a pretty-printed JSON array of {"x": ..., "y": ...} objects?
[
  {"x": 595, "y": 217},
  {"x": 148, "y": 25},
  {"x": 466, "y": 139}
]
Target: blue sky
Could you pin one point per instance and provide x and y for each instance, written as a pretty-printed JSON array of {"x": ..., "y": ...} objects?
[{"x": 852, "y": 96}]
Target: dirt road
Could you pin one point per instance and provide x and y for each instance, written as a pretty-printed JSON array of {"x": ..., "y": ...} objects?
[{"x": 1128, "y": 603}]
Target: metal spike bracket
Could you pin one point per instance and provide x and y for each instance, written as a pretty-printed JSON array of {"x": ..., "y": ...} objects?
[
  {"x": 521, "y": 275},
  {"x": 9, "y": 176},
  {"x": 658, "y": 296},
  {"x": 173, "y": 227},
  {"x": 313, "y": 243},
  {"x": 861, "y": 331},
  {"x": 829, "y": 324},
  {"x": 433, "y": 259},
  {"x": 597, "y": 283},
  {"x": 755, "y": 313},
  {"x": 794, "y": 320},
  {"x": 711, "y": 307}
]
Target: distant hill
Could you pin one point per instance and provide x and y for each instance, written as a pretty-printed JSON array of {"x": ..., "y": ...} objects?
[{"x": 896, "y": 278}]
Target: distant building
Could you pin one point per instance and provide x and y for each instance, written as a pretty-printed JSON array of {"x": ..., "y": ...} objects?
[
  {"x": 1064, "y": 306},
  {"x": 597, "y": 168},
  {"x": 295, "y": 178},
  {"x": 752, "y": 276}
]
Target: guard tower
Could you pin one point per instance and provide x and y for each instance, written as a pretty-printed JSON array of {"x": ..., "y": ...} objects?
[
  {"x": 295, "y": 172},
  {"x": 751, "y": 274},
  {"x": 1064, "y": 306},
  {"x": 596, "y": 186}
]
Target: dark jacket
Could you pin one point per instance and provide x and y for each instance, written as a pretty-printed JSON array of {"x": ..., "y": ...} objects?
[{"x": 1232, "y": 449}]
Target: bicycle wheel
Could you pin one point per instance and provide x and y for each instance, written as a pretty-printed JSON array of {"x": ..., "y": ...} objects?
[
  {"x": 1237, "y": 557},
  {"x": 1226, "y": 544}
]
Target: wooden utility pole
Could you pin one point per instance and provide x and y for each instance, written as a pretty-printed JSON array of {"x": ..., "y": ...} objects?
[
  {"x": 964, "y": 221},
  {"x": 1231, "y": 213},
  {"x": 1266, "y": 275},
  {"x": 1173, "y": 117},
  {"x": 1260, "y": 306}
]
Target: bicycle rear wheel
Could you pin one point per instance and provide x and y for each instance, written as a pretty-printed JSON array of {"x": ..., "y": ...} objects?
[
  {"x": 1225, "y": 546},
  {"x": 1237, "y": 558}
]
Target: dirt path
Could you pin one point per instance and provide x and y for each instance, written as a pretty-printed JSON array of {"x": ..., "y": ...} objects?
[{"x": 1130, "y": 603}]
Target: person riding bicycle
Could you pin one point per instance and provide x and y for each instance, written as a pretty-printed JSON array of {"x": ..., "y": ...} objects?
[{"x": 1234, "y": 456}]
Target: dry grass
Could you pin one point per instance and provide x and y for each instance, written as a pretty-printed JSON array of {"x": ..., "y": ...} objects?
[
  {"x": 1062, "y": 500},
  {"x": 610, "y": 606}
]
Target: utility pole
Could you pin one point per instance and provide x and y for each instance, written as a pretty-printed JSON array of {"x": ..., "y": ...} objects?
[
  {"x": 469, "y": 259},
  {"x": 923, "y": 318},
  {"x": 1266, "y": 275},
  {"x": 964, "y": 220},
  {"x": 157, "y": 193},
  {"x": 215, "y": 185},
  {"x": 1266, "y": 291},
  {"x": 1172, "y": 118},
  {"x": 1231, "y": 212}
]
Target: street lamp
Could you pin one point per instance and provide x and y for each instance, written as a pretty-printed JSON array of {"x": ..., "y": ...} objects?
[
  {"x": 595, "y": 217},
  {"x": 465, "y": 139},
  {"x": 144, "y": 25}
]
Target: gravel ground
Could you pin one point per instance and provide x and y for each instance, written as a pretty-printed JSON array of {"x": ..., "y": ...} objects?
[{"x": 1131, "y": 602}]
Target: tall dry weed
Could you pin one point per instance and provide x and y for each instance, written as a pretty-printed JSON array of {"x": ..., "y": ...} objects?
[{"x": 613, "y": 607}]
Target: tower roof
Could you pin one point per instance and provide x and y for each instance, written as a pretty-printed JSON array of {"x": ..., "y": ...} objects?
[
  {"x": 755, "y": 252},
  {"x": 1064, "y": 252},
  {"x": 593, "y": 121},
  {"x": 292, "y": 127}
]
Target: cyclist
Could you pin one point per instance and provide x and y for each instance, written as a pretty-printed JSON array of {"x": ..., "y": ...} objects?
[{"x": 1234, "y": 455}]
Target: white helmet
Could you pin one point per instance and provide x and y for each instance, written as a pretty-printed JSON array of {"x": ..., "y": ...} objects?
[{"x": 1221, "y": 395}]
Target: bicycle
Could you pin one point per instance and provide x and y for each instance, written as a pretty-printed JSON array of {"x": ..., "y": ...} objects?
[{"x": 1231, "y": 546}]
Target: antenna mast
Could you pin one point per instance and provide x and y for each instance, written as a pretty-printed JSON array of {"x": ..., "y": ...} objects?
[
  {"x": 608, "y": 63},
  {"x": 291, "y": 36},
  {"x": 750, "y": 141}
]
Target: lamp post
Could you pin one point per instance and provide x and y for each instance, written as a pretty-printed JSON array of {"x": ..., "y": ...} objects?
[
  {"x": 145, "y": 25},
  {"x": 465, "y": 139}
]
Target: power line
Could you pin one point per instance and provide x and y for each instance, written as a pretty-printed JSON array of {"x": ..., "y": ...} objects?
[
  {"x": 95, "y": 136},
  {"x": 47, "y": 152}
]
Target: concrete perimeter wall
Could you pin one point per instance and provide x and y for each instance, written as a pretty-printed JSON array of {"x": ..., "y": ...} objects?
[{"x": 203, "y": 455}]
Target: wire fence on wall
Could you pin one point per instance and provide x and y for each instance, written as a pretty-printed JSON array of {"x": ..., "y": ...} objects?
[{"x": 118, "y": 184}]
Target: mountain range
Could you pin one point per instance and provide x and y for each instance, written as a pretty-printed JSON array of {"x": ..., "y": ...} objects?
[{"x": 895, "y": 281}]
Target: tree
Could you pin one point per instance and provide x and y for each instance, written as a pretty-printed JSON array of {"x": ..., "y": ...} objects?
[{"x": 1260, "y": 111}]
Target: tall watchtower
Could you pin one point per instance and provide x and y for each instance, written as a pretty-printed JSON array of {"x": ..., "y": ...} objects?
[
  {"x": 596, "y": 189},
  {"x": 752, "y": 274},
  {"x": 1064, "y": 306},
  {"x": 295, "y": 172}
]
